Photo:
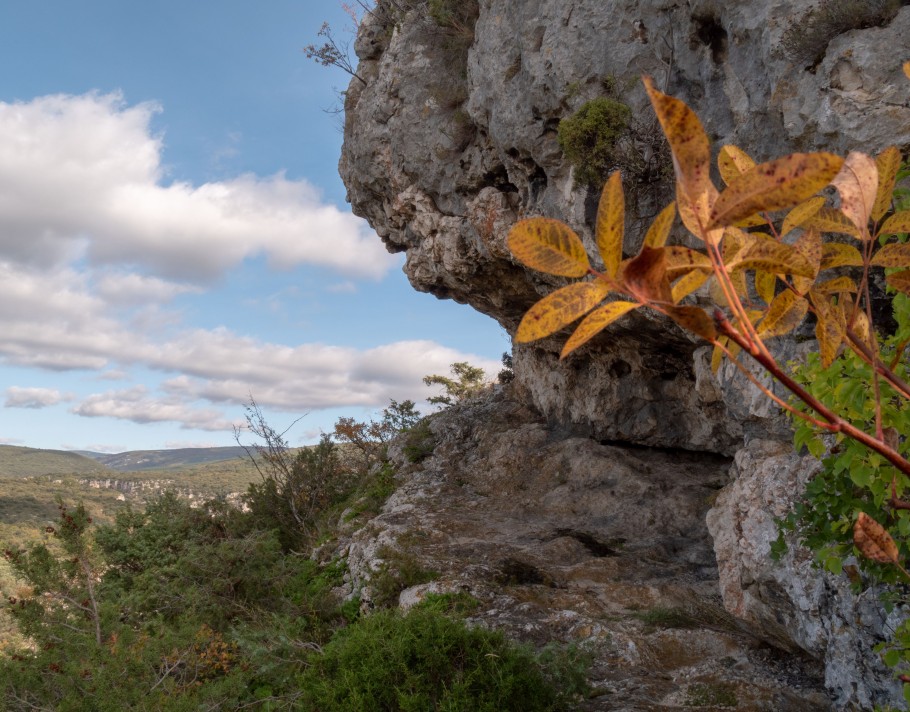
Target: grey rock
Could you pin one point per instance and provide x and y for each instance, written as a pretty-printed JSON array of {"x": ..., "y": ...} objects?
[{"x": 445, "y": 151}]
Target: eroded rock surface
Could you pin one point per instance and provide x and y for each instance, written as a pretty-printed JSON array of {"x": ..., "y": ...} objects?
[{"x": 562, "y": 539}]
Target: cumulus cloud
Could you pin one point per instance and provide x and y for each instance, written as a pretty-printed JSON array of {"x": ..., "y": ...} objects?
[
  {"x": 82, "y": 175},
  {"x": 136, "y": 405},
  {"x": 17, "y": 397}
]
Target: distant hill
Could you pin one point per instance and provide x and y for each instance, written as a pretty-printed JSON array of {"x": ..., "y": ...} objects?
[
  {"x": 31, "y": 462},
  {"x": 144, "y": 460}
]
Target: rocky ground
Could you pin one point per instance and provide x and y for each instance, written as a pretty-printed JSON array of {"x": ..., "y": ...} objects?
[{"x": 563, "y": 539}]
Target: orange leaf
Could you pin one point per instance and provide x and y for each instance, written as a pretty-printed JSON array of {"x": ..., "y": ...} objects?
[
  {"x": 611, "y": 215},
  {"x": 837, "y": 285},
  {"x": 899, "y": 281},
  {"x": 857, "y": 184},
  {"x": 765, "y": 283},
  {"x": 801, "y": 213},
  {"x": 549, "y": 246},
  {"x": 835, "y": 254},
  {"x": 688, "y": 284},
  {"x": 775, "y": 185},
  {"x": 645, "y": 276},
  {"x": 873, "y": 541},
  {"x": 560, "y": 308},
  {"x": 660, "y": 228},
  {"x": 785, "y": 313},
  {"x": 830, "y": 329},
  {"x": 694, "y": 319},
  {"x": 894, "y": 254},
  {"x": 833, "y": 220},
  {"x": 888, "y": 163},
  {"x": 899, "y": 222},
  {"x": 772, "y": 256},
  {"x": 907, "y": 69},
  {"x": 689, "y": 145},
  {"x": 809, "y": 245},
  {"x": 680, "y": 260},
  {"x": 595, "y": 322},
  {"x": 732, "y": 162}
]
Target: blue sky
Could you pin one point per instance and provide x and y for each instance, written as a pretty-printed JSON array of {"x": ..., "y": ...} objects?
[{"x": 174, "y": 236}]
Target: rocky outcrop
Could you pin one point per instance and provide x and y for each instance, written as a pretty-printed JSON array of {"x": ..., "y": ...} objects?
[
  {"x": 450, "y": 140},
  {"x": 561, "y": 539}
]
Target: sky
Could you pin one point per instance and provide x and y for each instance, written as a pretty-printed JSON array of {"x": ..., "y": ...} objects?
[{"x": 174, "y": 236}]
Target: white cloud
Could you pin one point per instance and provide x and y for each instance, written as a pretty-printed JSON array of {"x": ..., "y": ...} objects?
[
  {"x": 183, "y": 444},
  {"x": 17, "y": 397},
  {"x": 11, "y": 441},
  {"x": 136, "y": 405},
  {"x": 82, "y": 175},
  {"x": 132, "y": 289}
]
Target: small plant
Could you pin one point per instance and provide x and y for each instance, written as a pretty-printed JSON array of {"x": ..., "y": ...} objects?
[
  {"x": 703, "y": 694},
  {"x": 468, "y": 381},
  {"x": 589, "y": 138},
  {"x": 398, "y": 571},
  {"x": 808, "y": 39}
]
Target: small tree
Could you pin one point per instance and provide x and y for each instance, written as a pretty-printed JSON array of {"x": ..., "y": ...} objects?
[
  {"x": 63, "y": 582},
  {"x": 371, "y": 439},
  {"x": 468, "y": 381}
]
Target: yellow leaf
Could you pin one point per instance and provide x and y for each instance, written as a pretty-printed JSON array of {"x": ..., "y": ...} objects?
[
  {"x": 860, "y": 325},
  {"x": 835, "y": 254},
  {"x": 752, "y": 221},
  {"x": 899, "y": 281},
  {"x": 765, "y": 283},
  {"x": 611, "y": 215},
  {"x": 560, "y": 308},
  {"x": 907, "y": 69},
  {"x": 691, "y": 151},
  {"x": 785, "y": 313},
  {"x": 837, "y": 285},
  {"x": 897, "y": 223},
  {"x": 775, "y": 185},
  {"x": 645, "y": 276},
  {"x": 888, "y": 163},
  {"x": 894, "y": 254},
  {"x": 832, "y": 220},
  {"x": 595, "y": 322},
  {"x": 732, "y": 162},
  {"x": 801, "y": 213},
  {"x": 738, "y": 280},
  {"x": 717, "y": 355},
  {"x": 680, "y": 260},
  {"x": 660, "y": 228},
  {"x": 857, "y": 184},
  {"x": 694, "y": 215},
  {"x": 688, "y": 284},
  {"x": 809, "y": 245},
  {"x": 694, "y": 319},
  {"x": 772, "y": 256},
  {"x": 549, "y": 246},
  {"x": 830, "y": 328},
  {"x": 873, "y": 541}
]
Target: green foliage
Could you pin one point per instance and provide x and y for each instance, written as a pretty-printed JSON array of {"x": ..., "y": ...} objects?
[
  {"x": 399, "y": 570},
  {"x": 425, "y": 661},
  {"x": 808, "y": 39},
  {"x": 371, "y": 439},
  {"x": 468, "y": 381},
  {"x": 589, "y": 138},
  {"x": 419, "y": 442}
]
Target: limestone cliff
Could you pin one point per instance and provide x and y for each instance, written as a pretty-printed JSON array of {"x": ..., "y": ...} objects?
[{"x": 450, "y": 138}]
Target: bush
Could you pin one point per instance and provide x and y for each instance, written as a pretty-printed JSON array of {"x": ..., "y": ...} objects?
[
  {"x": 589, "y": 138},
  {"x": 426, "y": 661}
]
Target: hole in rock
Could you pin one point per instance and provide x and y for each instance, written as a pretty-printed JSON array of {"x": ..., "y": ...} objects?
[
  {"x": 594, "y": 545},
  {"x": 710, "y": 33}
]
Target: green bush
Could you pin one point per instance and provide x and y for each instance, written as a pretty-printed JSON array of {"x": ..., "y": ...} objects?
[
  {"x": 425, "y": 661},
  {"x": 589, "y": 138}
]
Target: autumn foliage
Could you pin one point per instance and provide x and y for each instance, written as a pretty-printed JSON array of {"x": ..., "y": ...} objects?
[{"x": 772, "y": 252}]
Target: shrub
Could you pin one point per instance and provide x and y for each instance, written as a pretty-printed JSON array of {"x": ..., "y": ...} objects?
[
  {"x": 589, "y": 138},
  {"x": 425, "y": 661},
  {"x": 468, "y": 381},
  {"x": 808, "y": 39}
]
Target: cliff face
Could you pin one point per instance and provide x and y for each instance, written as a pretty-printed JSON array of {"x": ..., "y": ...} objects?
[{"x": 451, "y": 137}]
